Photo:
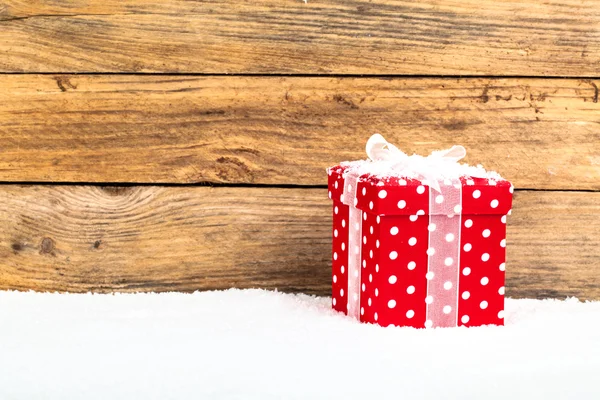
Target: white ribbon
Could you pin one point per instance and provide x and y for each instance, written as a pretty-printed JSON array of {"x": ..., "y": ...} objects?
[
  {"x": 445, "y": 213},
  {"x": 443, "y": 256},
  {"x": 429, "y": 168}
]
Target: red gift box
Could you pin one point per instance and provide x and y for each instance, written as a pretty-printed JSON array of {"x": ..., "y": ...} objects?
[{"x": 420, "y": 251}]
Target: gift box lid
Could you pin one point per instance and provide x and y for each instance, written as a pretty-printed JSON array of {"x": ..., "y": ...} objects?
[{"x": 472, "y": 190}]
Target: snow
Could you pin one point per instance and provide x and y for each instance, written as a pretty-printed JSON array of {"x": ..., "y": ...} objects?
[{"x": 257, "y": 344}]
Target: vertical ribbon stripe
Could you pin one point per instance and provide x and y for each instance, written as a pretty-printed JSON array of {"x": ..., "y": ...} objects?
[
  {"x": 354, "y": 245},
  {"x": 445, "y": 200},
  {"x": 443, "y": 254}
]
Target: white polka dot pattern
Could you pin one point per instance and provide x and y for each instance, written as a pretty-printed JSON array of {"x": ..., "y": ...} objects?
[
  {"x": 481, "y": 298},
  {"x": 403, "y": 214},
  {"x": 395, "y": 244},
  {"x": 340, "y": 241}
]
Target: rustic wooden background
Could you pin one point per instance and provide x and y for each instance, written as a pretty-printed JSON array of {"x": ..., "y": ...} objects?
[{"x": 181, "y": 145}]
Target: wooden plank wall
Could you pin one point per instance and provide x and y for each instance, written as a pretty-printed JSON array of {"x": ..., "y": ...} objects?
[{"x": 180, "y": 146}]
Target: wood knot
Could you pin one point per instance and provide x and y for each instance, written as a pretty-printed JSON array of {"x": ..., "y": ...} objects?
[
  {"x": 455, "y": 125},
  {"x": 16, "y": 247},
  {"x": 484, "y": 96},
  {"x": 63, "y": 83},
  {"x": 338, "y": 98},
  {"x": 231, "y": 168},
  {"x": 47, "y": 246},
  {"x": 97, "y": 244},
  {"x": 116, "y": 190}
]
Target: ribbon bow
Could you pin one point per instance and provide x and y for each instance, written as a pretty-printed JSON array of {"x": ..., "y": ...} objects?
[{"x": 429, "y": 168}]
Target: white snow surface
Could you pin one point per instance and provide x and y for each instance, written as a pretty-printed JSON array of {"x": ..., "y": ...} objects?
[{"x": 254, "y": 344}]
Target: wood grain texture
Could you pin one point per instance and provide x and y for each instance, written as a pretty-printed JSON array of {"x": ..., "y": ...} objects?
[
  {"x": 553, "y": 245},
  {"x": 162, "y": 239},
  {"x": 440, "y": 37},
  {"x": 538, "y": 133},
  {"x": 78, "y": 238}
]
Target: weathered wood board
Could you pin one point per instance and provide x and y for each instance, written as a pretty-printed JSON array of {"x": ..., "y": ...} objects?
[
  {"x": 140, "y": 92},
  {"x": 538, "y": 133},
  {"x": 430, "y": 37},
  {"x": 82, "y": 238},
  {"x": 553, "y": 245}
]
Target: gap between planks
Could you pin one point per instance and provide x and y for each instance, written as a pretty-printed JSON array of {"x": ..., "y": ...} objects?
[
  {"x": 232, "y": 185},
  {"x": 297, "y": 75}
]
